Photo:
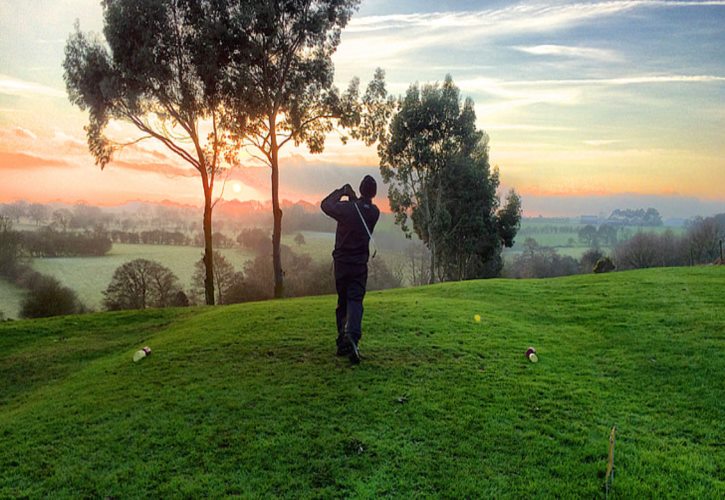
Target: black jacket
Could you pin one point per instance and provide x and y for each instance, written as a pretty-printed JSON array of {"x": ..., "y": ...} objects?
[{"x": 351, "y": 238}]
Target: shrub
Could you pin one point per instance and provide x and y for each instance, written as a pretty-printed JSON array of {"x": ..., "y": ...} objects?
[
  {"x": 381, "y": 277},
  {"x": 47, "y": 298},
  {"x": 604, "y": 265},
  {"x": 645, "y": 250},
  {"x": 541, "y": 262},
  {"x": 255, "y": 239},
  {"x": 589, "y": 259},
  {"x": 139, "y": 284}
]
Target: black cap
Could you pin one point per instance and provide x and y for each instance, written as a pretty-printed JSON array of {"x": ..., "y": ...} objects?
[{"x": 368, "y": 187}]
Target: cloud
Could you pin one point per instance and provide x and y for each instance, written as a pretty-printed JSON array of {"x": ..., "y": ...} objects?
[
  {"x": 23, "y": 161},
  {"x": 24, "y": 133},
  {"x": 601, "y": 142},
  {"x": 165, "y": 169},
  {"x": 512, "y": 94},
  {"x": 16, "y": 87},
  {"x": 570, "y": 51},
  {"x": 387, "y": 38},
  {"x": 528, "y": 127},
  {"x": 627, "y": 80},
  {"x": 514, "y": 18},
  {"x": 70, "y": 144}
]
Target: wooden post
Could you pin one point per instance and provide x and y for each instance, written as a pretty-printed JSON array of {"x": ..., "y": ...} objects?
[{"x": 609, "y": 476}]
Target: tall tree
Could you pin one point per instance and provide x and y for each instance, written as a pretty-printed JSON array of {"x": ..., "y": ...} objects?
[
  {"x": 435, "y": 162},
  {"x": 281, "y": 88},
  {"x": 157, "y": 70},
  {"x": 473, "y": 228}
]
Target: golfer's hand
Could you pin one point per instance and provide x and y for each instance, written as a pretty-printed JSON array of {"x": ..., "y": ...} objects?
[{"x": 348, "y": 191}]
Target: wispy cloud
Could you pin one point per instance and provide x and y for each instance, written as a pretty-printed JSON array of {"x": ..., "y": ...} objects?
[
  {"x": 25, "y": 161},
  {"x": 601, "y": 142},
  {"x": 511, "y": 94},
  {"x": 388, "y": 37},
  {"x": 518, "y": 17},
  {"x": 24, "y": 133},
  {"x": 626, "y": 80},
  {"x": 14, "y": 86},
  {"x": 164, "y": 169},
  {"x": 570, "y": 51},
  {"x": 528, "y": 127}
]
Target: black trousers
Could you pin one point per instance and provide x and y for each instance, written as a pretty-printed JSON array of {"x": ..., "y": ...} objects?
[{"x": 350, "y": 282}]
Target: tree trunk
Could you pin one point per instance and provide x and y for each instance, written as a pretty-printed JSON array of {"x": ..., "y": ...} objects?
[
  {"x": 431, "y": 279},
  {"x": 277, "y": 215},
  {"x": 208, "y": 252},
  {"x": 431, "y": 237}
]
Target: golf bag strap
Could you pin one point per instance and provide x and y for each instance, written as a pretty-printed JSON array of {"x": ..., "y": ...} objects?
[{"x": 370, "y": 235}]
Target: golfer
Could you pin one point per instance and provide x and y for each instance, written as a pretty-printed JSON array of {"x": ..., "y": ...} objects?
[{"x": 356, "y": 219}]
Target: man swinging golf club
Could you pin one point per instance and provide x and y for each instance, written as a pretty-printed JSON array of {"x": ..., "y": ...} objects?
[{"x": 356, "y": 219}]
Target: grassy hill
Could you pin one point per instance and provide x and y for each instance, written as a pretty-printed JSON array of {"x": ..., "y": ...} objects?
[{"x": 249, "y": 400}]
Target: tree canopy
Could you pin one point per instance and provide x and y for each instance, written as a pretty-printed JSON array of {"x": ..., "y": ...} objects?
[
  {"x": 156, "y": 69},
  {"x": 435, "y": 162},
  {"x": 281, "y": 87},
  {"x": 141, "y": 283}
]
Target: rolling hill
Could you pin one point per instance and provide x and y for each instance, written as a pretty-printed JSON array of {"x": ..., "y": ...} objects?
[{"x": 249, "y": 400}]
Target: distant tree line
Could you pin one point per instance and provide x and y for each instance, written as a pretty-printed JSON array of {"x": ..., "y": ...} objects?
[
  {"x": 699, "y": 245},
  {"x": 297, "y": 218},
  {"x": 534, "y": 229},
  {"x": 605, "y": 234},
  {"x": 636, "y": 217},
  {"x": 48, "y": 242},
  {"x": 164, "y": 237}
]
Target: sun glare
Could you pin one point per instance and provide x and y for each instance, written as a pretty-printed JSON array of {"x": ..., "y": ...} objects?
[{"x": 237, "y": 188}]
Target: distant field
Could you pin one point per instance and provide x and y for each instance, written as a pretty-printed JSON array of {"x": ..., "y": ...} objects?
[
  {"x": 318, "y": 245},
  {"x": 10, "y": 297},
  {"x": 559, "y": 234},
  {"x": 89, "y": 276}
]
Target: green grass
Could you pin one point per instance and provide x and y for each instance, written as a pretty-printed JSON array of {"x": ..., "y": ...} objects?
[
  {"x": 89, "y": 276},
  {"x": 249, "y": 399}
]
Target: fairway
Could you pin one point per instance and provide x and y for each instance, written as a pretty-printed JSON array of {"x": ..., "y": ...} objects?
[{"x": 250, "y": 400}]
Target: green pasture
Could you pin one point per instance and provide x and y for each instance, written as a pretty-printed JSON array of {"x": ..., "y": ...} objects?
[
  {"x": 250, "y": 401},
  {"x": 10, "y": 297},
  {"x": 89, "y": 276},
  {"x": 318, "y": 245},
  {"x": 559, "y": 234}
]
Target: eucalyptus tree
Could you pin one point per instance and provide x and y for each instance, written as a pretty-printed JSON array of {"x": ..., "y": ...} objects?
[
  {"x": 159, "y": 67},
  {"x": 441, "y": 186},
  {"x": 281, "y": 86}
]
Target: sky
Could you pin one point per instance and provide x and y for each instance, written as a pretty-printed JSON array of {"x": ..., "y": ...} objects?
[{"x": 589, "y": 105}]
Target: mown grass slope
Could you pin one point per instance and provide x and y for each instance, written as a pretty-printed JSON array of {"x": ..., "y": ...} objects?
[{"x": 250, "y": 400}]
